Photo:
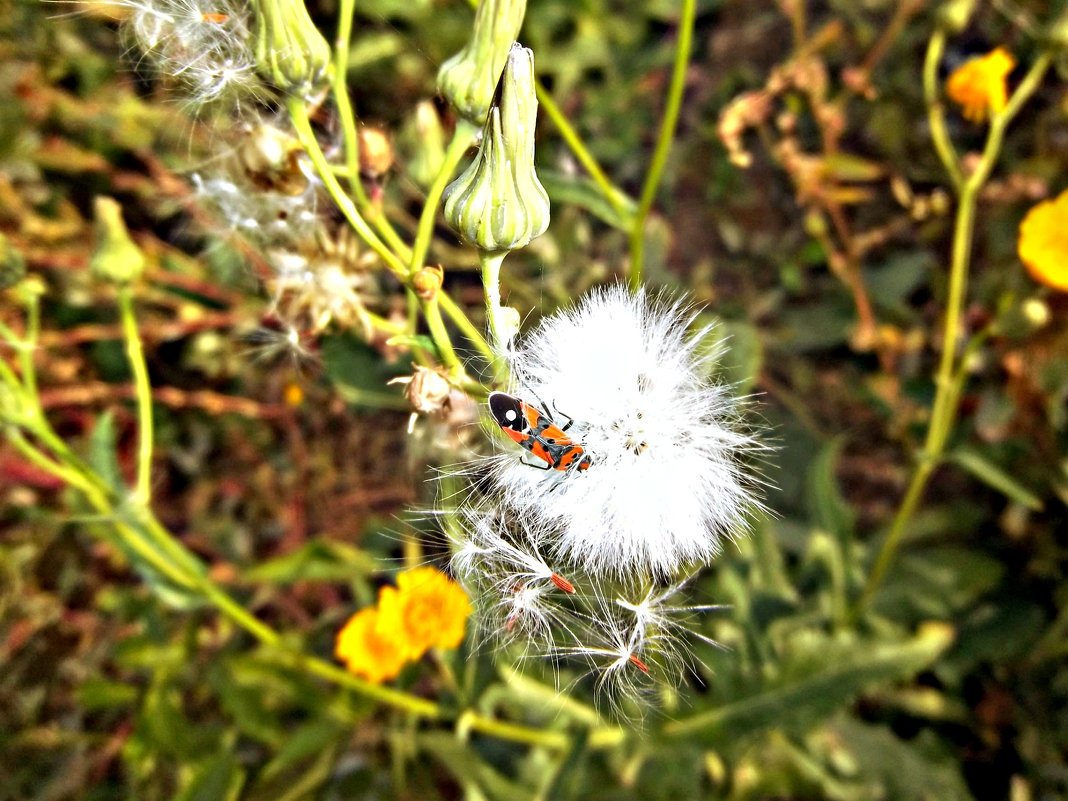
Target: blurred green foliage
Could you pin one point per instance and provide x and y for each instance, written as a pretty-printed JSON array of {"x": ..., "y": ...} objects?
[{"x": 953, "y": 685}]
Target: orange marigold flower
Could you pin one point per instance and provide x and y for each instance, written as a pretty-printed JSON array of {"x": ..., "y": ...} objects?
[
  {"x": 978, "y": 85},
  {"x": 1043, "y": 243},
  {"x": 433, "y": 609},
  {"x": 370, "y": 645}
]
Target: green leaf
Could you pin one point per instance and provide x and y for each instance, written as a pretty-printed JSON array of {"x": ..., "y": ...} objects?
[
  {"x": 465, "y": 765},
  {"x": 739, "y": 351},
  {"x": 921, "y": 769},
  {"x": 827, "y": 507},
  {"x": 937, "y": 582},
  {"x": 994, "y": 477},
  {"x": 584, "y": 193},
  {"x": 314, "y": 561},
  {"x": 103, "y": 452},
  {"x": 806, "y": 701},
  {"x": 359, "y": 374},
  {"x": 218, "y": 779},
  {"x": 98, "y": 693}
]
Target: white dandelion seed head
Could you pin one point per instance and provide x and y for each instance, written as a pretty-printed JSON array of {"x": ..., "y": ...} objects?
[
  {"x": 665, "y": 485},
  {"x": 204, "y": 45}
]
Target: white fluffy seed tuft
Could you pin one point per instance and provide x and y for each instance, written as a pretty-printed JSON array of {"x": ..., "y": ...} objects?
[{"x": 665, "y": 485}]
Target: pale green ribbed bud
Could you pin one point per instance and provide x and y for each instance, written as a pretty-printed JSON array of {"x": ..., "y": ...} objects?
[
  {"x": 290, "y": 51},
  {"x": 423, "y": 141},
  {"x": 499, "y": 203},
  {"x": 117, "y": 259},
  {"x": 468, "y": 79},
  {"x": 12, "y": 265}
]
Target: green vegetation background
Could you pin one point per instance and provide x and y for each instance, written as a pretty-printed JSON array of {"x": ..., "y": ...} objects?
[{"x": 952, "y": 685}]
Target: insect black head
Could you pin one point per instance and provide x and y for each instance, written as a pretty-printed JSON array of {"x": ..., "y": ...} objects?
[{"x": 507, "y": 411}]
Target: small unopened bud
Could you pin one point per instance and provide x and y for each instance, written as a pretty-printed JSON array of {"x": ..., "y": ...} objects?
[
  {"x": 953, "y": 15},
  {"x": 423, "y": 138},
  {"x": 376, "y": 152},
  {"x": 271, "y": 160},
  {"x": 290, "y": 51},
  {"x": 499, "y": 203},
  {"x": 468, "y": 79},
  {"x": 12, "y": 265},
  {"x": 427, "y": 281},
  {"x": 117, "y": 258}
]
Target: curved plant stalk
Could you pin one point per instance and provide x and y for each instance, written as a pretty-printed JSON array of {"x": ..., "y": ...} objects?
[
  {"x": 663, "y": 141},
  {"x": 948, "y": 381}
]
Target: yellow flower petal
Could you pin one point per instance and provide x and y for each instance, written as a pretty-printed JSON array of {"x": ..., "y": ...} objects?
[
  {"x": 979, "y": 86},
  {"x": 434, "y": 609},
  {"x": 369, "y": 646},
  {"x": 1043, "y": 242}
]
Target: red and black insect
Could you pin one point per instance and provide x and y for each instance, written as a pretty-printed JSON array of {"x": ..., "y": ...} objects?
[{"x": 537, "y": 433}]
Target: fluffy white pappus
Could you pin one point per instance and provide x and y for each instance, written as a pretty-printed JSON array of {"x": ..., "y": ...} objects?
[
  {"x": 204, "y": 44},
  {"x": 665, "y": 484}
]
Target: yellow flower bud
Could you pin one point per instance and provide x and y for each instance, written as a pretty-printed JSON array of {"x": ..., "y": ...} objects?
[
  {"x": 498, "y": 203},
  {"x": 468, "y": 79}
]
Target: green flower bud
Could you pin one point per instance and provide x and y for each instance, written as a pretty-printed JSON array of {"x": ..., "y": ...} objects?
[
  {"x": 468, "y": 79},
  {"x": 117, "y": 259},
  {"x": 499, "y": 203},
  {"x": 953, "y": 15},
  {"x": 423, "y": 141},
  {"x": 12, "y": 265},
  {"x": 290, "y": 51}
]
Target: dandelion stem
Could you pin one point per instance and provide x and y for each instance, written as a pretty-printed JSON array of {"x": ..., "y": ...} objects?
[
  {"x": 436, "y": 326},
  {"x": 936, "y": 115},
  {"x": 663, "y": 140},
  {"x": 461, "y": 141},
  {"x": 615, "y": 196},
  {"x": 463, "y": 322},
  {"x": 350, "y": 132},
  {"x": 948, "y": 380},
  {"x": 491, "y": 282},
  {"x": 143, "y": 392},
  {"x": 302, "y": 124}
]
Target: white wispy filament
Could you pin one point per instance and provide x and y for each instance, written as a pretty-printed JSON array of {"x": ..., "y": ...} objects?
[{"x": 665, "y": 485}]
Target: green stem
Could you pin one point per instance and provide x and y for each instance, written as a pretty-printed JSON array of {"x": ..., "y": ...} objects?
[
  {"x": 436, "y": 326},
  {"x": 461, "y": 141},
  {"x": 350, "y": 132},
  {"x": 346, "y": 114},
  {"x": 302, "y": 125},
  {"x": 613, "y": 194},
  {"x": 936, "y": 114},
  {"x": 663, "y": 140},
  {"x": 463, "y": 322},
  {"x": 491, "y": 283},
  {"x": 143, "y": 392},
  {"x": 949, "y": 378},
  {"x": 28, "y": 344}
]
